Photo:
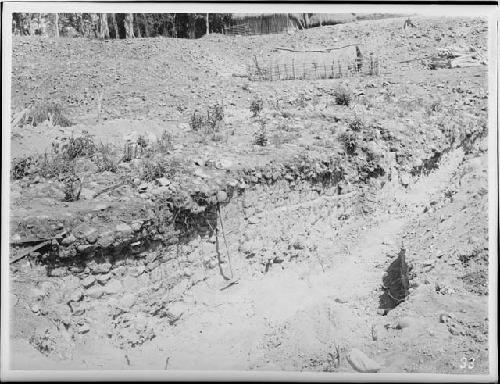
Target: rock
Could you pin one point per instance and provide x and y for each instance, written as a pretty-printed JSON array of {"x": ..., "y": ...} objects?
[
  {"x": 76, "y": 295},
  {"x": 151, "y": 257},
  {"x": 16, "y": 238},
  {"x": 94, "y": 292},
  {"x": 124, "y": 229},
  {"x": 87, "y": 194},
  {"x": 139, "y": 270},
  {"x": 127, "y": 301},
  {"x": 200, "y": 162},
  {"x": 68, "y": 240},
  {"x": 63, "y": 312},
  {"x": 85, "y": 231},
  {"x": 99, "y": 268},
  {"x": 362, "y": 363},
  {"x": 131, "y": 137},
  {"x": 37, "y": 293},
  {"x": 82, "y": 248},
  {"x": 136, "y": 164},
  {"x": 223, "y": 164},
  {"x": 136, "y": 226},
  {"x": 163, "y": 181},
  {"x": 404, "y": 322},
  {"x": 84, "y": 328},
  {"x": 125, "y": 167},
  {"x": 35, "y": 308},
  {"x": 253, "y": 220},
  {"x": 106, "y": 239},
  {"x": 444, "y": 317},
  {"x": 381, "y": 312},
  {"x": 143, "y": 187},
  {"x": 113, "y": 287},
  {"x": 77, "y": 309},
  {"x": 103, "y": 278},
  {"x": 101, "y": 207},
  {"x": 405, "y": 179},
  {"x": 200, "y": 173},
  {"x": 59, "y": 272},
  {"x": 221, "y": 196}
]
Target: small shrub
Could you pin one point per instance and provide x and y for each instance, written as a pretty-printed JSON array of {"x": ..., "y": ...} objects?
[
  {"x": 72, "y": 147},
  {"x": 261, "y": 135},
  {"x": 142, "y": 142},
  {"x": 215, "y": 115},
  {"x": 434, "y": 107},
  {"x": 209, "y": 124},
  {"x": 54, "y": 166},
  {"x": 256, "y": 106},
  {"x": 105, "y": 160},
  {"x": 197, "y": 122},
  {"x": 154, "y": 168},
  {"x": 21, "y": 167},
  {"x": 48, "y": 111},
  {"x": 72, "y": 187},
  {"x": 348, "y": 139},
  {"x": 356, "y": 124},
  {"x": 343, "y": 96},
  {"x": 131, "y": 151},
  {"x": 164, "y": 142}
]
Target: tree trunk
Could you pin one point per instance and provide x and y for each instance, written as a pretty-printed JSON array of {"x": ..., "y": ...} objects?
[
  {"x": 207, "y": 25},
  {"x": 103, "y": 26},
  {"x": 306, "y": 20},
  {"x": 191, "y": 25},
  {"x": 146, "y": 26},
  {"x": 42, "y": 24},
  {"x": 79, "y": 17},
  {"x": 129, "y": 25},
  {"x": 115, "y": 26},
  {"x": 56, "y": 25}
]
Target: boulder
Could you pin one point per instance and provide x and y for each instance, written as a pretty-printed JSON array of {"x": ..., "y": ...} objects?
[
  {"x": 124, "y": 229},
  {"x": 99, "y": 268},
  {"x": 221, "y": 196},
  {"x": 106, "y": 239},
  {"x": 113, "y": 287},
  {"x": 362, "y": 363},
  {"x": 94, "y": 292},
  {"x": 163, "y": 181},
  {"x": 127, "y": 301}
]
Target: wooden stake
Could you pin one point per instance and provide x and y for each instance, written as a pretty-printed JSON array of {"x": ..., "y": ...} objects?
[{"x": 225, "y": 241}]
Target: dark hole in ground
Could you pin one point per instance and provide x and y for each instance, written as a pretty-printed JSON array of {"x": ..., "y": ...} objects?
[{"x": 395, "y": 283}]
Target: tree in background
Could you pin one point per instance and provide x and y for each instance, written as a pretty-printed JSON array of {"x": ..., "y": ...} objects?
[{"x": 120, "y": 25}]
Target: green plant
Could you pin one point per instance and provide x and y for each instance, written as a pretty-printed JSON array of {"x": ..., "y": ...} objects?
[
  {"x": 343, "y": 96},
  {"x": 256, "y": 106},
  {"x": 47, "y": 111}
]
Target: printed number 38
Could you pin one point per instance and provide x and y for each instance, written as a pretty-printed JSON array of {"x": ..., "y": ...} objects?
[{"x": 464, "y": 363}]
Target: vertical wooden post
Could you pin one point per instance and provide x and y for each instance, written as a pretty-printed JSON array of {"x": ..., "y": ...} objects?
[{"x": 207, "y": 25}]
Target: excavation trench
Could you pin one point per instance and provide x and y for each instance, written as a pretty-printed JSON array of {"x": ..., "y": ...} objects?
[{"x": 128, "y": 281}]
